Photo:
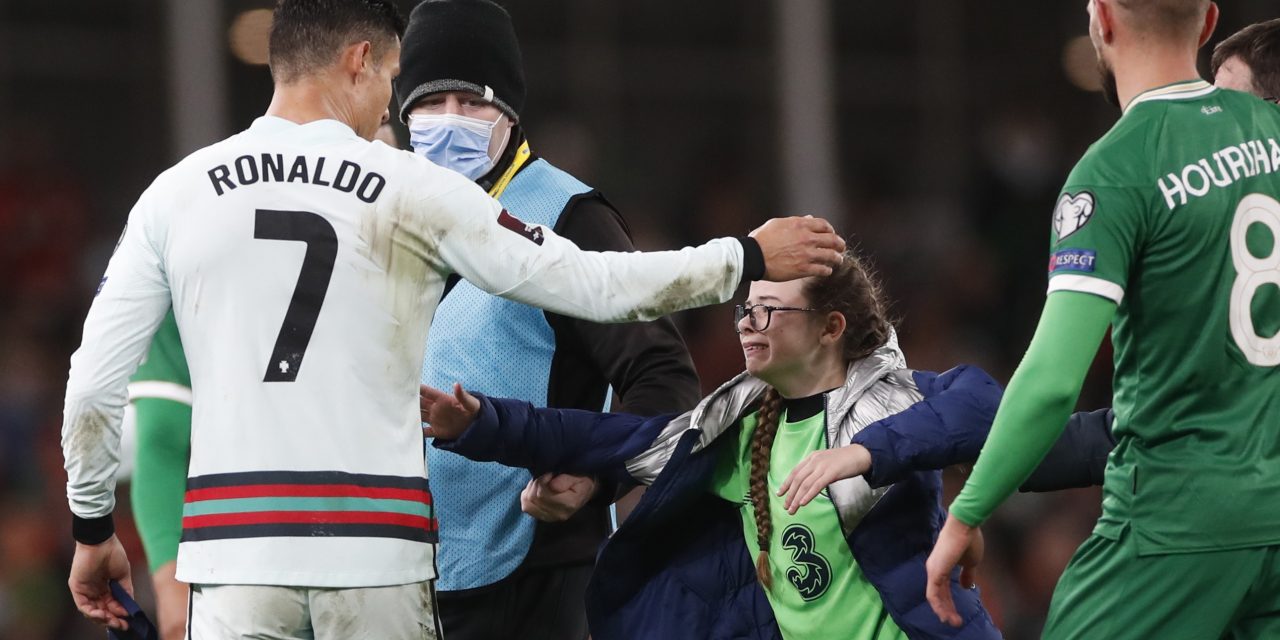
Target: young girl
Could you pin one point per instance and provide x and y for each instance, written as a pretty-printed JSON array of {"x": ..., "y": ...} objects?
[{"x": 792, "y": 463}]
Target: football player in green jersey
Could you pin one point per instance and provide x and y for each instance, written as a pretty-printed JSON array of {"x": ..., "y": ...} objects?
[
  {"x": 1168, "y": 230},
  {"x": 160, "y": 405}
]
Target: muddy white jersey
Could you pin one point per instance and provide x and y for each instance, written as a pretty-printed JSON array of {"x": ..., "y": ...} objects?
[{"x": 304, "y": 265}]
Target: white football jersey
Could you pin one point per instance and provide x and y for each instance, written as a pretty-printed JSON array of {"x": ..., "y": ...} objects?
[{"x": 304, "y": 265}]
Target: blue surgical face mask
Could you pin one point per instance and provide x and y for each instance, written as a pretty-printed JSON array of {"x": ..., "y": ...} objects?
[{"x": 454, "y": 142}]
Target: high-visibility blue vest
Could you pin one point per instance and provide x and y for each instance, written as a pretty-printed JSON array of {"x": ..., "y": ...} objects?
[{"x": 500, "y": 348}]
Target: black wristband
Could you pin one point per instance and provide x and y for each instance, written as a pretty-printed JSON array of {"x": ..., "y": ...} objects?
[
  {"x": 752, "y": 259},
  {"x": 92, "y": 530}
]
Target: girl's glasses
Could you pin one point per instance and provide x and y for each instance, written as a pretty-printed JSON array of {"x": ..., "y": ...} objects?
[{"x": 759, "y": 315}]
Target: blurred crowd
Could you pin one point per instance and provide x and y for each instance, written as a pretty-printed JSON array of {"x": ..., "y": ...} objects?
[{"x": 964, "y": 265}]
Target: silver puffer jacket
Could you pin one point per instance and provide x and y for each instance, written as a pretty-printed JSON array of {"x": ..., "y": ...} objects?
[{"x": 875, "y": 387}]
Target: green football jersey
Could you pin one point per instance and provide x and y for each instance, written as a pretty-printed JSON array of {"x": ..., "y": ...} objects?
[
  {"x": 818, "y": 589},
  {"x": 165, "y": 361},
  {"x": 160, "y": 393},
  {"x": 1173, "y": 215}
]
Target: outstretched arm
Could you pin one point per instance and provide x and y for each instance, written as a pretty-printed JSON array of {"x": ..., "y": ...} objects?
[
  {"x": 472, "y": 235},
  {"x": 1040, "y": 398},
  {"x": 1079, "y": 457},
  {"x": 646, "y": 363},
  {"x": 963, "y": 403},
  {"x": 517, "y": 434},
  {"x": 947, "y": 427}
]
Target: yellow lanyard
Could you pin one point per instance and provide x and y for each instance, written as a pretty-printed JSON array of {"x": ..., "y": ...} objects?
[{"x": 522, "y": 156}]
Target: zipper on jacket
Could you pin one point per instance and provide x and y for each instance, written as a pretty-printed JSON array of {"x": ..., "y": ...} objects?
[{"x": 826, "y": 433}]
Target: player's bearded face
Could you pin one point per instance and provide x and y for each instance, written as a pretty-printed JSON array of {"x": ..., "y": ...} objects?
[
  {"x": 1107, "y": 76},
  {"x": 377, "y": 92}
]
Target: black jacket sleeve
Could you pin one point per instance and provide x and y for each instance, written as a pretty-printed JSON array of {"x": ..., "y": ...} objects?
[
  {"x": 647, "y": 363},
  {"x": 1079, "y": 457}
]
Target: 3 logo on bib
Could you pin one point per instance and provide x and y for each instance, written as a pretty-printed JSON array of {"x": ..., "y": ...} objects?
[
  {"x": 1072, "y": 213},
  {"x": 811, "y": 573}
]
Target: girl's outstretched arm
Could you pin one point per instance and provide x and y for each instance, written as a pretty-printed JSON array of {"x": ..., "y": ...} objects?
[
  {"x": 947, "y": 427},
  {"x": 517, "y": 434}
]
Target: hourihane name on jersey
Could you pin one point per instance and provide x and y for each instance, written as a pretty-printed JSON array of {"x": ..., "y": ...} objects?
[
  {"x": 1245, "y": 160},
  {"x": 249, "y": 169}
]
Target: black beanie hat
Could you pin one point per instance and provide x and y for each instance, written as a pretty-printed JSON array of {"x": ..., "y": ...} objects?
[{"x": 461, "y": 45}]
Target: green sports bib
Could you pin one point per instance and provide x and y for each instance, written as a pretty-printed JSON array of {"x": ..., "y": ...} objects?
[{"x": 818, "y": 589}]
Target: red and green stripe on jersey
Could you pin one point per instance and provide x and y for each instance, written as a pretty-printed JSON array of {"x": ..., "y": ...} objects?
[{"x": 263, "y": 504}]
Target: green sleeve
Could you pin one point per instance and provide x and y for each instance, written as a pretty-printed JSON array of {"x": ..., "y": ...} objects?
[
  {"x": 165, "y": 361},
  {"x": 1038, "y": 402},
  {"x": 1096, "y": 230},
  {"x": 160, "y": 476}
]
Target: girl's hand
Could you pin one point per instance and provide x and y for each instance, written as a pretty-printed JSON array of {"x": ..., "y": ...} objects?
[
  {"x": 448, "y": 415},
  {"x": 820, "y": 469}
]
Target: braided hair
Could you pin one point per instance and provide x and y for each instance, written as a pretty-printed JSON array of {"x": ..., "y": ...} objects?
[{"x": 761, "y": 450}]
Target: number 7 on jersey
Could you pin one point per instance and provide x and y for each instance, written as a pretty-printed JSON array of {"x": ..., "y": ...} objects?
[{"x": 308, "y": 293}]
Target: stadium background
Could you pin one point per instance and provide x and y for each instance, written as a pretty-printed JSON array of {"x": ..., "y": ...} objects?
[{"x": 935, "y": 133}]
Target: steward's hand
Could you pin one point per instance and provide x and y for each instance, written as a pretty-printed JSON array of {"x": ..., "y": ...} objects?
[{"x": 556, "y": 497}]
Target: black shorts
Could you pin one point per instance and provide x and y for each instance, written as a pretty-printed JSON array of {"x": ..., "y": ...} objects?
[{"x": 531, "y": 604}]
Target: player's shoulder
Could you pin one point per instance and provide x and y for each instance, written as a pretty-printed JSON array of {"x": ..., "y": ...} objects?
[
  {"x": 1252, "y": 112},
  {"x": 398, "y": 161},
  {"x": 1192, "y": 120},
  {"x": 1138, "y": 128},
  {"x": 1118, "y": 158},
  {"x": 177, "y": 179},
  {"x": 382, "y": 152},
  {"x": 417, "y": 164},
  {"x": 1194, "y": 114},
  {"x": 1200, "y": 116},
  {"x": 422, "y": 177},
  {"x": 1124, "y": 155},
  {"x": 1244, "y": 102}
]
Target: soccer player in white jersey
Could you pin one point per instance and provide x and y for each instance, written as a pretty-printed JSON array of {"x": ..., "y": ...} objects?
[{"x": 303, "y": 264}]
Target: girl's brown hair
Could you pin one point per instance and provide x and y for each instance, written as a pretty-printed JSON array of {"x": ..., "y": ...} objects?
[{"x": 852, "y": 291}]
